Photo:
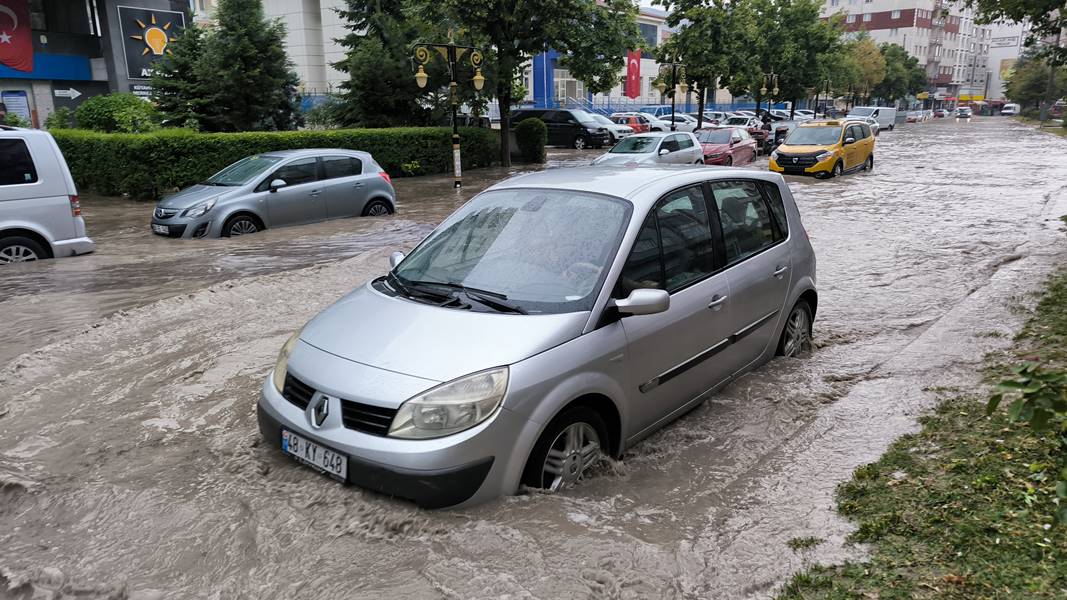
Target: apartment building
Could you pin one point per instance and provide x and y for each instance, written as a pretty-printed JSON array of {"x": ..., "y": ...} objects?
[
  {"x": 942, "y": 34},
  {"x": 312, "y": 26}
]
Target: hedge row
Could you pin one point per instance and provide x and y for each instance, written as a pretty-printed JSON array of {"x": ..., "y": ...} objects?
[{"x": 147, "y": 165}]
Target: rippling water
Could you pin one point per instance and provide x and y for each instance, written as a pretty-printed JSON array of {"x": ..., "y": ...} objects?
[{"x": 130, "y": 463}]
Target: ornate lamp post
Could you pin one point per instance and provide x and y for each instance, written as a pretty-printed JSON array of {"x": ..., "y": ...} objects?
[
  {"x": 771, "y": 79},
  {"x": 452, "y": 54},
  {"x": 827, "y": 83},
  {"x": 675, "y": 71}
]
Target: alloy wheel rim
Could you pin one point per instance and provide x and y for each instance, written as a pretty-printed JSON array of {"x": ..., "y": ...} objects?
[
  {"x": 837, "y": 169},
  {"x": 378, "y": 210},
  {"x": 797, "y": 337},
  {"x": 243, "y": 227},
  {"x": 570, "y": 455},
  {"x": 17, "y": 253},
  {"x": 579, "y": 143}
]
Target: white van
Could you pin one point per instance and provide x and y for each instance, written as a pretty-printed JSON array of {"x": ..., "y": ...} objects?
[
  {"x": 40, "y": 216},
  {"x": 885, "y": 115},
  {"x": 1010, "y": 110}
]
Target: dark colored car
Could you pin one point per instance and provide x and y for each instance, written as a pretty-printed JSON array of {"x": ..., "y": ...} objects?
[
  {"x": 754, "y": 127},
  {"x": 726, "y": 145},
  {"x": 566, "y": 127},
  {"x": 940, "y": 113}
]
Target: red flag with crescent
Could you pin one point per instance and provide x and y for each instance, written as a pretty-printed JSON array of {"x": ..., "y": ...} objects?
[
  {"x": 16, "y": 43},
  {"x": 633, "y": 73}
]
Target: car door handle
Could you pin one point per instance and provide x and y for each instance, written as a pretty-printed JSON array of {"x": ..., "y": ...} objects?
[
  {"x": 780, "y": 271},
  {"x": 357, "y": 185},
  {"x": 315, "y": 192},
  {"x": 717, "y": 302}
]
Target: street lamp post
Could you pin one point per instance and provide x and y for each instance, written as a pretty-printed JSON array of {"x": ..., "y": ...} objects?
[
  {"x": 673, "y": 68},
  {"x": 452, "y": 54},
  {"x": 827, "y": 103},
  {"x": 772, "y": 79}
]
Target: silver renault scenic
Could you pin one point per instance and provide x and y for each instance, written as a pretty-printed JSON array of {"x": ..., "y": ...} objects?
[
  {"x": 275, "y": 189},
  {"x": 556, "y": 317}
]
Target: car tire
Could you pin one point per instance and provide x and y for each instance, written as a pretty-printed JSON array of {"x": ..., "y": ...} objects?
[
  {"x": 890, "y": 128},
  {"x": 839, "y": 169},
  {"x": 579, "y": 143},
  {"x": 611, "y": 139},
  {"x": 796, "y": 335},
  {"x": 869, "y": 165},
  {"x": 729, "y": 161},
  {"x": 374, "y": 208},
  {"x": 15, "y": 249},
  {"x": 241, "y": 225},
  {"x": 572, "y": 461}
]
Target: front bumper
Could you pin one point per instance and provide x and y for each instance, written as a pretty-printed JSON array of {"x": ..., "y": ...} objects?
[
  {"x": 825, "y": 166},
  {"x": 181, "y": 227},
  {"x": 717, "y": 160},
  {"x": 73, "y": 247},
  {"x": 463, "y": 468}
]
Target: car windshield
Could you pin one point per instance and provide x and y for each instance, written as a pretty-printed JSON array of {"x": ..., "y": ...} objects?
[
  {"x": 542, "y": 250},
  {"x": 737, "y": 121},
  {"x": 814, "y": 136},
  {"x": 244, "y": 170},
  {"x": 635, "y": 145},
  {"x": 861, "y": 112},
  {"x": 714, "y": 136},
  {"x": 583, "y": 117}
]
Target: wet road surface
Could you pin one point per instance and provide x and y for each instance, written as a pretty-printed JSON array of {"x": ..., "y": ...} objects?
[{"x": 131, "y": 466}]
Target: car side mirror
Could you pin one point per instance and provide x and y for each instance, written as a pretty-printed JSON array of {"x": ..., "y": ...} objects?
[
  {"x": 395, "y": 258},
  {"x": 643, "y": 302},
  {"x": 277, "y": 183},
  {"x": 664, "y": 152},
  {"x": 850, "y": 140}
]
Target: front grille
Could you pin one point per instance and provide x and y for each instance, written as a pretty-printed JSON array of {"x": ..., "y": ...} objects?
[
  {"x": 166, "y": 213},
  {"x": 297, "y": 392},
  {"x": 796, "y": 160},
  {"x": 374, "y": 420}
]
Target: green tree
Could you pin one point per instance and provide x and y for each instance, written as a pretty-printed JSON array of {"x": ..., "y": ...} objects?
[
  {"x": 1046, "y": 18},
  {"x": 591, "y": 50},
  {"x": 903, "y": 74},
  {"x": 177, "y": 88},
  {"x": 864, "y": 66},
  {"x": 516, "y": 30},
  {"x": 249, "y": 81},
  {"x": 1029, "y": 80},
  {"x": 119, "y": 112}
]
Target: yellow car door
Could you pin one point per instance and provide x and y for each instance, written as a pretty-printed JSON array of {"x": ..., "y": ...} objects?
[{"x": 855, "y": 152}]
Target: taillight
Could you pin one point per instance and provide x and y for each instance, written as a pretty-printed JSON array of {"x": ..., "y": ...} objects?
[
  {"x": 386, "y": 177},
  {"x": 75, "y": 207}
]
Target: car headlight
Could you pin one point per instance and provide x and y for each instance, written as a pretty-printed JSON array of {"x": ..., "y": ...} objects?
[
  {"x": 717, "y": 155},
  {"x": 824, "y": 156},
  {"x": 200, "y": 209},
  {"x": 451, "y": 407},
  {"x": 774, "y": 155},
  {"x": 281, "y": 367}
]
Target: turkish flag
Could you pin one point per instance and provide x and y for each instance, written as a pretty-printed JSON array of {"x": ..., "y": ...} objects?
[
  {"x": 16, "y": 43},
  {"x": 633, "y": 73}
]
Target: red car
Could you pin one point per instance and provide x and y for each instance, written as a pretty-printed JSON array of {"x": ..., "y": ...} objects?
[
  {"x": 726, "y": 145},
  {"x": 636, "y": 122}
]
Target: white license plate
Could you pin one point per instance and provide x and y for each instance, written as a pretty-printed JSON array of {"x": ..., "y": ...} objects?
[
  {"x": 163, "y": 229},
  {"x": 317, "y": 456}
]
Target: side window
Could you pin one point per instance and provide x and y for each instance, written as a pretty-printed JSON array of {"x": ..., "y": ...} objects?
[
  {"x": 774, "y": 198},
  {"x": 746, "y": 223},
  {"x": 643, "y": 268},
  {"x": 294, "y": 173},
  {"x": 16, "y": 165},
  {"x": 685, "y": 234},
  {"x": 341, "y": 166},
  {"x": 866, "y": 130},
  {"x": 874, "y": 114},
  {"x": 684, "y": 141},
  {"x": 669, "y": 143}
]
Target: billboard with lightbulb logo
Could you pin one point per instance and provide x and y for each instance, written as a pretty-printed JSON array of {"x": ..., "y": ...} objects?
[{"x": 146, "y": 33}]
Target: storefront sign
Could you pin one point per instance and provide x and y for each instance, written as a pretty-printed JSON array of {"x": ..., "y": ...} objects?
[
  {"x": 17, "y": 102},
  {"x": 146, "y": 33},
  {"x": 1004, "y": 42}
]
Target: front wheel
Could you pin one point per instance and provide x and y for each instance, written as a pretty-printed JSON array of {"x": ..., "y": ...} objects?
[
  {"x": 572, "y": 442},
  {"x": 729, "y": 161},
  {"x": 16, "y": 249},
  {"x": 838, "y": 169},
  {"x": 241, "y": 225},
  {"x": 869, "y": 165},
  {"x": 579, "y": 143},
  {"x": 890, "y": 128},
  {"x": 796, "y": 336}
]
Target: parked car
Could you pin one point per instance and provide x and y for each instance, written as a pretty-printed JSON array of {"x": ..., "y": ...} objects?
[
  {"x": 654, "y": 148},
  {"x": 682, "y": 122},
  {"x": 711, "y": 117},
  {"x": 40, "y": 215},
  {"x": 782, "y": 129},
  {"x": 746, "y": 113},
  {"x": 727, "y": 146},
  {"x": 885, "y": 115},
  {"x": 940, "y": 113},
  {"x": 570, "y": 128},
  {"x": 615, "y": 131},
  {"x": 651, "y": 123},
  {"x": 964, "y": 112},
  {"x": 522, "y": 359},
  {"x": 825, "y": 149},
  {"x": 913, "y": 116},
  {"x": 804, "y": 113},
  {"x": 276, "y": 189},
  {"x": 752, "y": 125},
  {"x": 1010, "y": 110},
  {"x": 872, "y": 122},
  {"x": 656, "y": 110}
]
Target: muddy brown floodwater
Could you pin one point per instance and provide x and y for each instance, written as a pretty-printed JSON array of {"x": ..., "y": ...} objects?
[{"x": 131, "y": 466}]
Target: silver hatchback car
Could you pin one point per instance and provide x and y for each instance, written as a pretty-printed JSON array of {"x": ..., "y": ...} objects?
[
  {"x": 275, "y": 189},
  {"x": 555, "y": 317}
]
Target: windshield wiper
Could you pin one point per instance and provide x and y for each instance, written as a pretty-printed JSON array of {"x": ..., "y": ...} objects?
[
  {"x": 417, "y": 288},
  {"x": 494, "y": 300}
]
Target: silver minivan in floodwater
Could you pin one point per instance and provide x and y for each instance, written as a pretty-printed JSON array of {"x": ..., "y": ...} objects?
[
  {"x": 276, "y": 189},
  {"x": 40, "y": 215},
  {"x": 556, "y": 317}
]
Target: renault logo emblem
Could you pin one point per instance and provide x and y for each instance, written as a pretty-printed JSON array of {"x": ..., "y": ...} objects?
[
  {"x": 320, "y": 411},
  {"x": 794, "y": 160}
]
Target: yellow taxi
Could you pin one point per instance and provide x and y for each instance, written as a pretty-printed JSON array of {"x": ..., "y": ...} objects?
[{"x": 825, "y": 149}]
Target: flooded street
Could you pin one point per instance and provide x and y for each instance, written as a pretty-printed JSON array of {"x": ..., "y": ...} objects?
[{"x": 131, "y": 465}]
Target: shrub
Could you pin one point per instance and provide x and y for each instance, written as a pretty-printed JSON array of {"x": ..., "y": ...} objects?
[
  {"x": 531, "y": 136},
  {"x": 61, "y": 118},
  {"x": 147, "y": 165},
  {"x": 1030, "y": 113},
  {"x": 16, "y": 121},
  {"x": 122, "y": 112}
]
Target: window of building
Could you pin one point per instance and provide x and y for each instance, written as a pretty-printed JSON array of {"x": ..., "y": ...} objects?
[
  {"x": 893, "y": 32},
  {"x": 651, "y": 35},
  {"x": 867, "y": 17},
  {"x": 895, "y": 14},
  {"x": 851, "y": 19}
]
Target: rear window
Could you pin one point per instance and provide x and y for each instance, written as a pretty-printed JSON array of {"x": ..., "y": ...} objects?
[
  {"x": 16, "y": 166},
  {"x": 341, "y": 166}
]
